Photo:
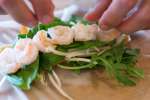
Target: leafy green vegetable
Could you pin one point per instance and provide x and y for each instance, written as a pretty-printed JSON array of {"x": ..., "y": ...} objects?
[
  {"x": 29, "y": 35},
  {"x": 24, "y": 77},
  {"x": 90, "y": 65},
  {"x": 119, "y": 62},
  {"x": 47, "y": 60},
  {"x": 76, "y": 19},
  {"x": 83, "y": 45},
  {"x": 130, "y": 56}
]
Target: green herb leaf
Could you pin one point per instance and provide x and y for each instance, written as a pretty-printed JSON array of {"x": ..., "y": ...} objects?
[
  {"x": 76, "y": 19},
  {"x": 130, "y": 56},
  {"x": 83, "y": 45},
  {"x": 48, "y": 60},
  {"x": 24, "y": 77},
  {"x": 119, "y": 62}
]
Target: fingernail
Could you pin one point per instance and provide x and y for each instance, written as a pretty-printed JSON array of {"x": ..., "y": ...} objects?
[
  {"x": 46, "y": 19},
  {"x": 104, "y": 27}
]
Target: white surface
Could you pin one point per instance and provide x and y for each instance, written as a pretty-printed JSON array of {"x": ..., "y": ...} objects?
[{"x": 9, "y": 92}]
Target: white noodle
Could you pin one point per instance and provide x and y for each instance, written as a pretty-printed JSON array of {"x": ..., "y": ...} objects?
[
  {"x": 76, "y": 53},
  {"x": 79, "y": 59},
  {"x": 69, "y": 54},
  {"x": 56, "y": 52},
  {"x": 56, "y": 78},
  {"x": 62, "y": 92}
]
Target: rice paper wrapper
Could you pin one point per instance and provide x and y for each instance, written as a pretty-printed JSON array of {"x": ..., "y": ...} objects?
[{"x": 89, "y": 84}]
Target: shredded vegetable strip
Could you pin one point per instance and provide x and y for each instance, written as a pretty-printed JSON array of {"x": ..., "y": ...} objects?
[
  {"x": 70, "y": 54},
  {"x": 62, "y": 92},
  {"x": 57, "y": 52},
  {"x": 56, "y": 78},
  {"x": 76, "y": 67},
  {"x": 79, "y": 59},
  {"x": 78, "y": 53}
]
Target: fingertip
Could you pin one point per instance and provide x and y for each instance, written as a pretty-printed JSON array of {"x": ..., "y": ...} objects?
[
  {"x": 32, "y": 24},
  {"x": 43, "y": 10},
  {"x": 30, "y": 20},
  {"x": 46, "y": 19},
  {"x": 89, "y": 17},
  {"x": 103, "y": 25},
  {"x": 115, "y": 13},
  {"x": 95, "y": 13}
]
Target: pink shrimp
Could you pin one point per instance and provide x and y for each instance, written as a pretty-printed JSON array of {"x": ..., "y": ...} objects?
[
  {"x": 26, "y": 50},
  {"x": 85, "y": 32},
  {"x": 61, "y": 35},
  {"x": 108, "y": 35},
  {"x": 8, "y": 62},
  {"x": 42, "y": 41},
  {"x": 23, "y": 53}
]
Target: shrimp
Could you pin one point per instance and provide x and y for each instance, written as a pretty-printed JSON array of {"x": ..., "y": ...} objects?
[
  {"x": 8, "y": 62},
  {"x": 85, "y": 32},
  {"x": 61, "y": 35},
  {"x": 42, "y": 41},
  {"x": 27, "y": 52},
  {"x": 23, "y": 53},
  {"x": 108, "y": 35}
]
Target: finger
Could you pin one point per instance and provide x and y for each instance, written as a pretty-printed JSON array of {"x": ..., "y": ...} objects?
[
  {"x": 19, "y": 11},
  {"x": 139, "y": 20},
  {"x": 2, "y": 11},
  {"x": 115, "y": 13},
  {"x": 96, "y": 13},
  {"x": 44, "y": 10}
]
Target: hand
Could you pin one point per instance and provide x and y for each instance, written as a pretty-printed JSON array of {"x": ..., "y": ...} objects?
[
  {"x": 113, "y": 14},
  {"x": 2, "y": 11},
  {"x": 21, "y": 13}
]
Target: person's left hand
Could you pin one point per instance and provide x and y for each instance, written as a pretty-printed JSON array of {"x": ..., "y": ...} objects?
[{"x": 19, "y": 11}]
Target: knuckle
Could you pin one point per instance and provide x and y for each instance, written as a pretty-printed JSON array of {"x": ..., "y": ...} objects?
[
  {"x": 124, "y": 29},
  {"x": 144, "y": 16},
  {"x": 127, "y": 3}
]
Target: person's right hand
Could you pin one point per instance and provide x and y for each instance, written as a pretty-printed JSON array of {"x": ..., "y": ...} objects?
[
  {"x": 22, "y": 14},
  {"x": 117, "y": 14}
]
